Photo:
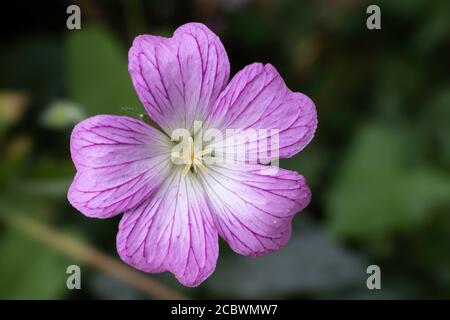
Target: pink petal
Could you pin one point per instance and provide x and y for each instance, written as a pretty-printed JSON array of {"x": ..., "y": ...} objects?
[
  {"x": 173, "y": 231},
  {"x": 178, "y": 79},
  {"x": 254, "y": 205},
  {"x": 120, "y": 161},
  {"x": 257, "y": 98}
]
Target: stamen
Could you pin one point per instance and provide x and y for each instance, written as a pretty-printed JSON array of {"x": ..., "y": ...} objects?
[
  {"x": 178, "y": 155},
  {"x": 206, "y": 152},
  {"x": 200, "y": 165},
  {"x": 192, "y": 159},
  {"x": 191, "y": 148},
  {"x": 186, "y": 169}
]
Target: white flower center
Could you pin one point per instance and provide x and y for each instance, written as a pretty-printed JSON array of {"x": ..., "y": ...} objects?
[{"x": 191, "y": 157}]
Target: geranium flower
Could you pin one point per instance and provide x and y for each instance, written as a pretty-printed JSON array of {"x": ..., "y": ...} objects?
[{"x": 174, "y": 213}]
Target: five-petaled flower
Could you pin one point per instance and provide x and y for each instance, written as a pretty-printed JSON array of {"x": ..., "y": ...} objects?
[{"x": 174, "y": 214}]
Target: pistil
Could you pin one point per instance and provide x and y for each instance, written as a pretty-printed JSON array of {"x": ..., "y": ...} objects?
[{"x": 192, "y": 159}]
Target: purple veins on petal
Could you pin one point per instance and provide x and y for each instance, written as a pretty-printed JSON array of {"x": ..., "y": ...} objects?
[
  {"x": 120, "y": 162},
  {"x": 174, "y": 213}
]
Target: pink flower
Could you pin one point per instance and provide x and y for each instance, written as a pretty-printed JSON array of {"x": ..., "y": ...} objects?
[{"x": 174, "y": 214}]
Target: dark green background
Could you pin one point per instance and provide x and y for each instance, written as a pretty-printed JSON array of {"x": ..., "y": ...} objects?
[{"x": 378, "y": 165}]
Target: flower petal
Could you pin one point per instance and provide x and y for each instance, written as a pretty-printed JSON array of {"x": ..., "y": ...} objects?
[
  {"x": 173, "y": 231},
  {"x": 258, "y": 99},
  {"x": 254, "y": 205},
  {"x": 120, "y": 161},
  {"x": 178, "y": 79}
]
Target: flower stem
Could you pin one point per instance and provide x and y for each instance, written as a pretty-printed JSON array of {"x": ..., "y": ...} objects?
[{"x": 81, "y": 251}]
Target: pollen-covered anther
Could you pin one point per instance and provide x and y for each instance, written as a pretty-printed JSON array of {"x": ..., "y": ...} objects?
[{"x": 192, "y": 158}]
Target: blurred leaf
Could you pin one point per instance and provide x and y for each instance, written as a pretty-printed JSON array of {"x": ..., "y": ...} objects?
[
  {"x": 375, "y": 194},
  {"x": 12, "y": 106},
  {"x": 399, "y": 79},
  {"x": 428, "y": 250},
  {"x": 310, "y": 263},
  {"x": 436, "y": 122},
  {"x": 49, "y": 188},
  {"x": 46, "y": 167},
  {"x": 426, "y": 189},
  {"x": 29, "y": 270},
  {"x": 62, "y": 114},
  {"x": 97, "y": 73},
  {"x": 435, "y": 29},
  {"x": 13, "y": 157}
]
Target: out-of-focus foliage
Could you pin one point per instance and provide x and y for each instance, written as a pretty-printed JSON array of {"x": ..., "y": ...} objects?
[
  {"x": 12, "y": 106},
  {"x": 378, "y": 191},
  {"x": 379, "y": 166},
  {"x": 97, "y": 73},
  {"x": 30, "y": 271},
  {"x": 62, "y": 114},
  {"x": 319, "y": 266}
]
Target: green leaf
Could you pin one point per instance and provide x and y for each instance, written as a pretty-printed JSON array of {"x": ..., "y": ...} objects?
[
  {"x": 376, "y": 192},
  {"x": 97, "y": 73},
  {"x": 30, "y": 270}
]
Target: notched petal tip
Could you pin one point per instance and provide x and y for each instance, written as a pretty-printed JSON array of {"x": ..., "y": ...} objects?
[
  {"x": 257, "y": 98},
  {"x": 194, "y": 26},
  {"x": 254, "y": 206},
  {"x": 178, "y": 79},
  {"x": 173, "y": 231}
]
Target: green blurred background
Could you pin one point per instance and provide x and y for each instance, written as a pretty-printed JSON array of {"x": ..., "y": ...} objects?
[{"x": 378, "y": 165}]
